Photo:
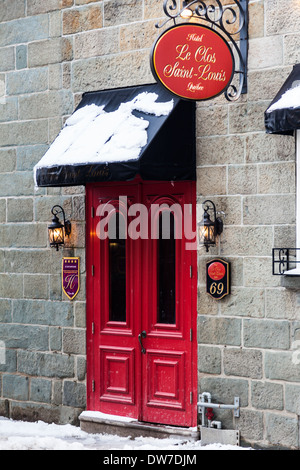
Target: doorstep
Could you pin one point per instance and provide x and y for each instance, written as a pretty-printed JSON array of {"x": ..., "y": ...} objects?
[{"x": 96, "y": 423}]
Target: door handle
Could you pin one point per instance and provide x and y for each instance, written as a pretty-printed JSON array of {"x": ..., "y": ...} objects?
[{"x": 143, "y": 334}]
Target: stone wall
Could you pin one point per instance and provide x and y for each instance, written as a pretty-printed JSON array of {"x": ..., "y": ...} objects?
[
  {"x": 247, "y": 341},
  {"x": 50, "y": 53}
]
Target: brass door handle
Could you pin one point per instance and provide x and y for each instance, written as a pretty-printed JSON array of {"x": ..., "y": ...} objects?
[{"x": 143, "y": 334}]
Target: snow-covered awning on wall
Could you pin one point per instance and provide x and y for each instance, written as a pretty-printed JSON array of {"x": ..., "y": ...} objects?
[
  {"x": 283, "y": 114},
  {"x": 114, "y": 135}
]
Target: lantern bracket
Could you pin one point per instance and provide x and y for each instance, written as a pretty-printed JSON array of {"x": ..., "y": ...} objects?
[
  {"x": 67, "y": 224},
  {"x": 231, "y": 21},
  {"x": 218, "y": 221}
]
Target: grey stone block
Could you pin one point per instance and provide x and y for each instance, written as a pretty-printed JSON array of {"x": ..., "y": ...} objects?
[
  {"x": 57, "y": 392},
  {"x": 292, "y": 398},
  {"x": 23, "y": 235},
  {"x": 24, "y": 336},
  {"x": 244, "y": 302},
  {"x": 45, "y": 365},
  {"x": 251, "y": 425},
  {"x": 74, "y": 394},
  {"x": 268, "y": 209},
  {"x": 266, "y": 334},
  {"x": 45, "y": 105},
  {"x": 267, "y": 395},
  {"x": 27, "y": 81},
  {"x": 7, "y": 160},
  {"x": 282, "y": 431},
  {"x": 16, "y": 387},
  {"x": 131, "y": 11},
  {"x": 28, "y": 261},
  {"x": 8, "y": 110},
  {"x": 60, "y": 313},
  {"x": 91, "y": 74},
  {"x": 5, "y": 311},
  {"x": 24, "y": 30},
  {"x": 10, "y": 361},
  {"x": 36, "y": 286},
  {"x": 209, "y": 360},
  {"x": 40, "y": 390},
  {"x": 223, "y": 390},
  {"x": 74, "y": 341},
  {"x": 280, "y": 366},
  {"x": 216, "y": 330},
  {"x": 28, "y": 411},
  {"x": 55, "y": 339},
  {"x": 21, "y": 57},
  {"x": 7, "y": 59},
  {"x": 11, "y": 286},
  {"x": 50, "y": 51},
  {"x": 81, "y": 368},
  {"x": 28, "y": 156},
  {"x": 20, "y": 210},
  {"x": 243, "y": 362}
]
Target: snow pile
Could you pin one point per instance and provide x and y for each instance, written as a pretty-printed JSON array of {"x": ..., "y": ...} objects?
[
  {"x": 92, "y": 135},
  {"x": 19, "y": 435},
  {"x": 289, "y": 99}
]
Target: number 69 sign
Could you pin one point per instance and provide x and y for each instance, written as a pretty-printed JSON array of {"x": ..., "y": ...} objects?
[{"x": 218, "y": 278}]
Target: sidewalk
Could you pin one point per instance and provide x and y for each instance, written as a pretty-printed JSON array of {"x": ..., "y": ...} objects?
[{"x": 19, "y": 435}]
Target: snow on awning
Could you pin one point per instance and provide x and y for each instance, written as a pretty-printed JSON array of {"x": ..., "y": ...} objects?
[
  {"x": 114, "y": 135},
  {"x": 283, "y": 114}
]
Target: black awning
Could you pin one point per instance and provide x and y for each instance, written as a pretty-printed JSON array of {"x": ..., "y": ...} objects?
[
  {"x": 283, "y": 114},
  {"x": 167, "y": 153}
]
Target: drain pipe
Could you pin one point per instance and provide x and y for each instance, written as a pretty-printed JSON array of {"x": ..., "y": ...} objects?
[{"x": 202, "y": 404}]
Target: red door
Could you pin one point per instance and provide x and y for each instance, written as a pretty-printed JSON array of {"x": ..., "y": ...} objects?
[{"x": 141, "y": 301}]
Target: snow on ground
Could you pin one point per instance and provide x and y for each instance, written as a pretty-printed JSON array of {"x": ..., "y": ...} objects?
[{"x": 19, "y": 435}]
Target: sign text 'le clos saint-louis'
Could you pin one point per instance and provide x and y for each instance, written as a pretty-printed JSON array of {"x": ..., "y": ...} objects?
[{"x": 192, "y": 61}]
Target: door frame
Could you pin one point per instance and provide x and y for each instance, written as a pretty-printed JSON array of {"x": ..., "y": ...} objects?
[{"x": 91, "y": 401}]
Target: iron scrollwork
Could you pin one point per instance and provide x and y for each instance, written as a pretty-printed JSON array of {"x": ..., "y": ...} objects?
[{"x": 230, "y": 20}]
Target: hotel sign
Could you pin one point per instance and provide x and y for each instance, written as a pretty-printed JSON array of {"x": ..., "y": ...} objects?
[
  {"x": 192, "y": 61},
  {"x": 70, "y": 277}
]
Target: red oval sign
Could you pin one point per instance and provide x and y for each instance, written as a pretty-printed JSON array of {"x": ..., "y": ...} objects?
[
  {"x": 192, "y": 61},
  {"x": 216, "y": 271}
]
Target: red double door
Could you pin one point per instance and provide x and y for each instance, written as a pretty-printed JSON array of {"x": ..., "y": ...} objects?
[{"x": 141, "y": 301}]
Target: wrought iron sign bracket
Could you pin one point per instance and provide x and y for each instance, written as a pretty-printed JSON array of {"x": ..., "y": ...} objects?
[{"x": 231, "y": 21}]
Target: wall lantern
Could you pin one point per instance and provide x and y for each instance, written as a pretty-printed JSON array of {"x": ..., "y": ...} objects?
[
  {"x": 208, "y": 229},
  {"x": 57, "y": 230}
]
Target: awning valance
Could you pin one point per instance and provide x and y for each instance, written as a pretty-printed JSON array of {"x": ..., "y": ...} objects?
[
  {"x": 114, "y": 135},
  {"x": 283, "y": 114}
]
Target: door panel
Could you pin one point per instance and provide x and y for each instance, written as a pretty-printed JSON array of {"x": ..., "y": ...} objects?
[
  {"x": 113, "y": 310},
  {"x": 166, "y": 389},
  {"x": 141, "y": 282},
  {"x": 166, "y": 368},
  {"x": 117, "y": 382}
]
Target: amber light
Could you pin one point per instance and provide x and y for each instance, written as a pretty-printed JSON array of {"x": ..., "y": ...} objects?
[
  {"x": 57, "y": 230},
  {"x": 208, "y": 229}
]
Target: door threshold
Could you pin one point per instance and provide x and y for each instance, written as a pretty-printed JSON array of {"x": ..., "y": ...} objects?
[{"x": 94, "y": 422}]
